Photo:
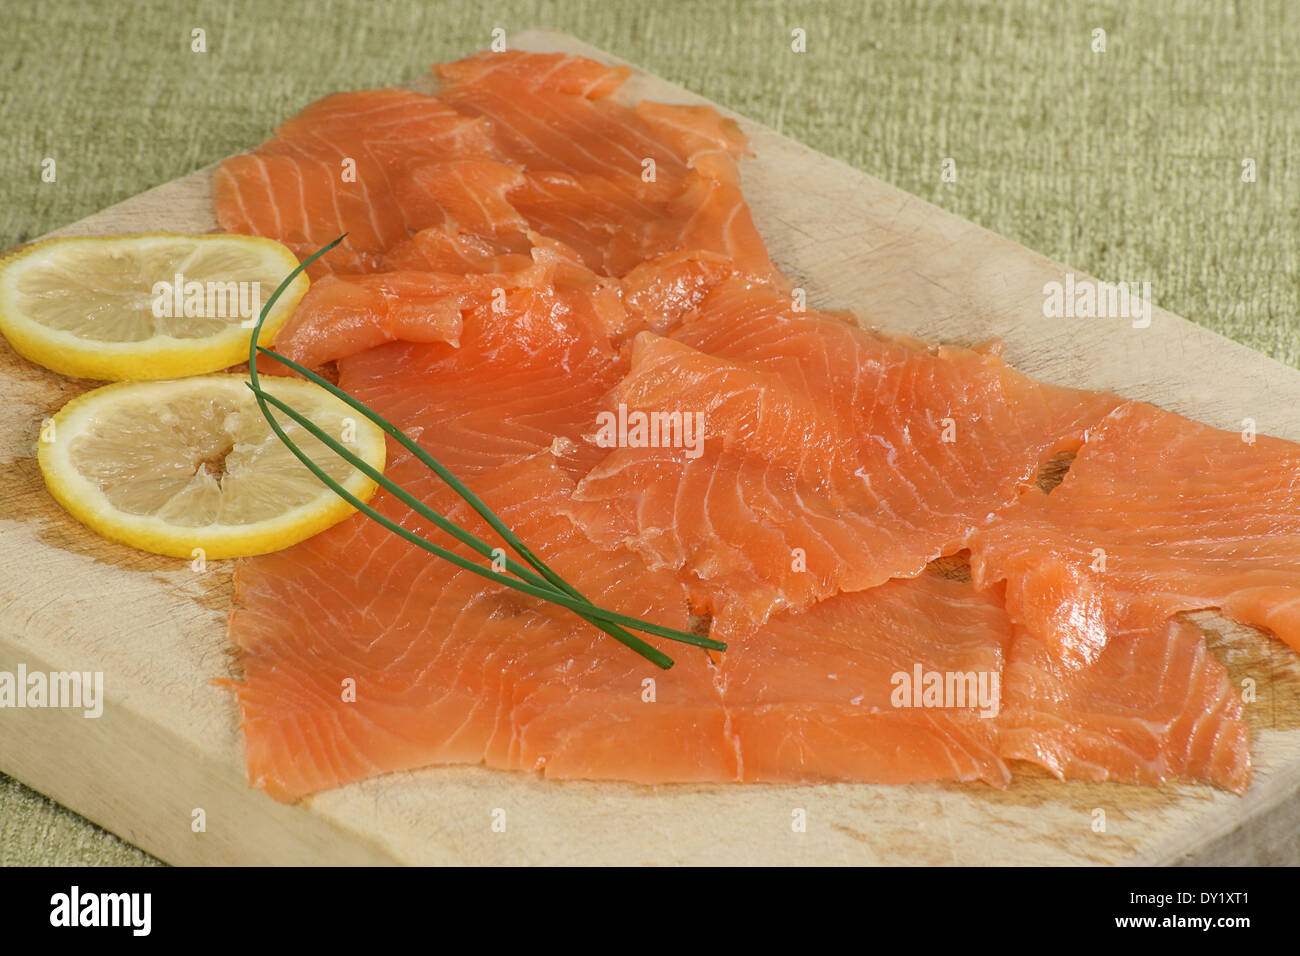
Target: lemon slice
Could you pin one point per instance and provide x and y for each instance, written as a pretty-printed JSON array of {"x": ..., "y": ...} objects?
[
  {"x": 143, "y": 307},
  {"x": 190, "y": 468}
]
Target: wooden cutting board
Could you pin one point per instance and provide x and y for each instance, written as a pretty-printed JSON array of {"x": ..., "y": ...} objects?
[{"x": 168, "y": 742}]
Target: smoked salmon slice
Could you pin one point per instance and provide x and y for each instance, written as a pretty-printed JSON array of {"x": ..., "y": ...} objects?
[
  {"x": 470, "y": 673},
  {"x": 1154, "y": 706},
  {"x": 513, "y": 142},
  {"x": 897, "y": 684},
  {"x": 1158, "y": 514},
  {"x": 520, "y": 69},
  {"x": 526, "y": 377},
  {"x": 402, "y": 662},
  {"x": 832, "y": 458},
  {"x": 334, "y": 169},
  {"x": 343, "y": 315},
  {"x": 532, "y": 262}
]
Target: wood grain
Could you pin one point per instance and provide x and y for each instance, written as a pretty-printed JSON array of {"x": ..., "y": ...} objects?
[{"x": 168, "y": 742}]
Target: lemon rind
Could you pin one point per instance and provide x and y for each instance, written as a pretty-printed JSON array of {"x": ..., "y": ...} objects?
[
  {"x": 84, "y": 501},
  {"x": 159, "y": 357}
]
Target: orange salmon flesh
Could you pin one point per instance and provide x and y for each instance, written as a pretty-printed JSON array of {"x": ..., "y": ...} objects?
[{"x": 531, "y": 259}]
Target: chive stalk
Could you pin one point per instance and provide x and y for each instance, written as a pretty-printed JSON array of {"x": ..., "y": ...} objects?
[{"x": 548, "y": 586}]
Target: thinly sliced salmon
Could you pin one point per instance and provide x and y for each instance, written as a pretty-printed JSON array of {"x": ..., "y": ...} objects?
[
  {"x": 521, "y": 69},
  {"x": 406, "y": 661},
  {"x": 833, "y": 458},
  {"x": 662, "y": 291},
  {"x": 334, "y": 168},
  {"x": 525, "y": 378},
  {"x": 514, "y": 141},
  {"x": 845, "y": 690},
  {"x": 1158, "y": 514},
  {"x": 449, "y": 249},
  {"x": 612, "y": 229},
  {"x": 349, "y": 314},
  {"x": 707, "y": 141},
  {"x": 547, "y": 129},
  {"x": 526, "y": 251},
  {"x": 1154, "y": 706},
  {"x": 344, "y": 315},
  {"x": 465, "y": 183}
]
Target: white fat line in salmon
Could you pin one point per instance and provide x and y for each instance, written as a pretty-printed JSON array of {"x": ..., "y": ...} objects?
[
  {"x": 56, "y": 689},
  {"x": 74, "y": 908},
  {"x": 947, "y": 689},
  {"x": 208, "y": 300},
  {"x": 1090, "y": 299},
  {"x": 638, "y": 429}
]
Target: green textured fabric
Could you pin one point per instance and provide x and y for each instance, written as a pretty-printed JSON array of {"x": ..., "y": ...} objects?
[{"x": 1127, "y": 164}]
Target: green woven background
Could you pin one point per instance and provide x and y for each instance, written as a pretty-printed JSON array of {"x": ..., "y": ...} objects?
[{"x": 1124, "y": 164}]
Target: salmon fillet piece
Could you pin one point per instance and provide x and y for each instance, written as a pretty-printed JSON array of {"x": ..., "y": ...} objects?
[
  {"x": 548, "y": 129},
  {"x": 833, "y": 458},
  {"x": 525, "y": 378},
  {"x": 662, "y": 291},
  {"x": 334, "y": 168},
  {"x": 501, "y": 149},
  {"x": 343, "y": 315},
  {"x": 472, "y": 673},
  {"x": 816, "y": 695},
  {"x": 450, "y": 273},
  {"x": 448, "y": 249},
  {"x": 525, "y": 252},
  {"x": 1154, "y": 706},
  {"x": 518, "y": 152},
  {"x": 1158, "y": 514},
  {"x": 449, "y": 668},
  {"x": 520, "y": 69},
  {"x": 612, "y": 229}
]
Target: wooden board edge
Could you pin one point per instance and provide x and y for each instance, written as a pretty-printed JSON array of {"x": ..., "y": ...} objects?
[{"x": 62, "y": 754}]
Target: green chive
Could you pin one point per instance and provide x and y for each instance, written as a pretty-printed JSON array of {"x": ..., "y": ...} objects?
[
  {"x": 553, "y": 588},
  {"x": 473, "y": 500},
  {"x": 582, "y": 605}
]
